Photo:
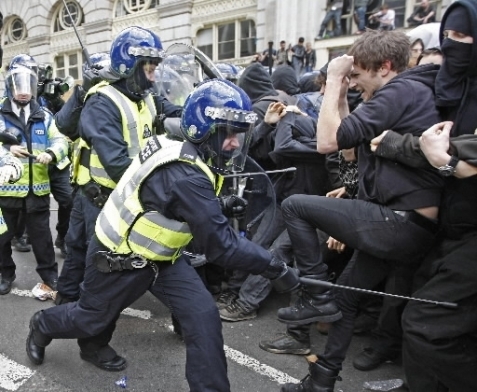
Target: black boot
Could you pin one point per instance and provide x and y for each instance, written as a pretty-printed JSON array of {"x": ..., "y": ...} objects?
[
  {"x": 314, "y": 303},
  {"x": 36, "y": 341},
  {"x": 319, "y": 379},
  {"x": 103, "y": 357}
]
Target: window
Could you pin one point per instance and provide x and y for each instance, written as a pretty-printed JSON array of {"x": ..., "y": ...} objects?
[
  {"x": 233, "y": 40},
  {"x": 15, "y": 31},
  {"x": 68, "y": 64},
  {"x": 126, "y": 7},
  {"x": 205, "y": 42},
  {"x": 248, "y": 36},
  {"x": 69, "y": 16}
]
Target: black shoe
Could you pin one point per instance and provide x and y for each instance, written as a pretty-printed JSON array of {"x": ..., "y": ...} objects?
[
  {"x": 319, "y": 379},
  {"x": 311, "y": 307},
  {"x": 6, "y": 285},
  {"x": 36, "y": 341},
  {"x": 105, "y": 358},
  {"x": 225, "y": 299},
  {"x": 236, "y": 312},
  {"x": 370, "y": 359},
  {"x": 52, "y": 284},
  {"x": 61, "y": 245},
  {"x": 285, "y": 344},
  {"x": 21, "y": 245}
]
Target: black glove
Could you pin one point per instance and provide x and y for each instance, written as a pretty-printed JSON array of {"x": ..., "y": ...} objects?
[
  {"x": 233, "y": 206},
  {"x": 283, "y": 278}
]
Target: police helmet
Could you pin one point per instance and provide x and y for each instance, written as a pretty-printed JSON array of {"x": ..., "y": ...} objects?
[
  {"x": 132, "y": 45},
  {"x": 218, "y": 117},
  {"x": 21, "y": 81}
]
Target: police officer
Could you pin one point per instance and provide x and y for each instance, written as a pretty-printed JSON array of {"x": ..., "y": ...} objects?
[
  {"x": 114, "y": 122},
  {"x": 167, "y": 196},
  {"x": 40, "y": 144}
]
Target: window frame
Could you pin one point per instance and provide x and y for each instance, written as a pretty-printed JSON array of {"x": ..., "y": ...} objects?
[
  {"x": 62, "y": 72},
  {"x": 238, "y": 39}
]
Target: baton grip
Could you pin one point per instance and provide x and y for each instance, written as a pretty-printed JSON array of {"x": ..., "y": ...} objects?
[{"x": 314, "y": 282}]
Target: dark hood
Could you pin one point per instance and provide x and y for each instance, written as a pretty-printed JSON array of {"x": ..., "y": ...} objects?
[
  {"x": 471, "y": 6},
  {"x": 284, "y": 78},
  {"x": 425, "y": 74},
  {"x": 256, "y": 82},
  {"x": 307, "y": 82}
]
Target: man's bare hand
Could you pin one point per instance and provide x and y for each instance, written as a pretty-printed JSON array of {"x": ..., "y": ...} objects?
[
  {"x": 44, "y": 158},
  {"x": 337, "y": 193},
  {"x": 340, "y": 67},
  {"x": 375, "y": 142},
  {"x": 19, "y": 151},
  {"x": 335, "y": 245},
  {"x": 434, "y": 143},
  {"x": 275, "y": 112}
]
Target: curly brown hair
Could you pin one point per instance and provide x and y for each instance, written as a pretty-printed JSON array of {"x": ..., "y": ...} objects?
[{"x": 375, "y": 47}]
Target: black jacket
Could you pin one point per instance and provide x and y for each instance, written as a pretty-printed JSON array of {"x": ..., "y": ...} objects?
[
  {"x": 404, "y": 105},
  {"x": 295, "y": 146}
]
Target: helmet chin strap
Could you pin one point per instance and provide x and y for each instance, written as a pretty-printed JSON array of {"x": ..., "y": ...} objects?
[{"x": 22, "y": 102}]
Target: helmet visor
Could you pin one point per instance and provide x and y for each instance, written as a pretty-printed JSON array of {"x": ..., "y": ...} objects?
[
  {"x": 228, "y": 146},
  {"x": 22, "y": 82}
]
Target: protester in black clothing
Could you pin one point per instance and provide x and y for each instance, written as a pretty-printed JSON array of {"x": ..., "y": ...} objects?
[
  {"x": 394, "y": 219},
  {"x": 257, "y": 83},
  {"x": 284, "y": 79},
  {"x": 440, "y": 345}
]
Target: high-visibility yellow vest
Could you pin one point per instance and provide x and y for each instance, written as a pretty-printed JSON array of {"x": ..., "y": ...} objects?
[
  {"x": 125, "y": 228},
  {"x": 44, "y": 136},
  {"x": 136, "y": 121}
]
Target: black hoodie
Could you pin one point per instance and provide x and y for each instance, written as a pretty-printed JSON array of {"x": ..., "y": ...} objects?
[
  {"x": 463, "y": 114},
  {"x": 405, "y": 105},
  {"x": 284, "y": 78}
]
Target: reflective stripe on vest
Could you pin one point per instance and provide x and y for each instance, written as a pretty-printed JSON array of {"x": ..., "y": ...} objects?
[
  {"x": 124, "y": 227},
  {"x": 136, "y": 128},
  {"x": 3, "y": 224}
]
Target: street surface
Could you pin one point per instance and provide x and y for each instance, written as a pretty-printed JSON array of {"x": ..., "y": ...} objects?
[{"x": 156, "y": 356}]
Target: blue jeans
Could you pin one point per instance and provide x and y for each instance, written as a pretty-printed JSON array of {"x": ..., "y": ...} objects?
[
  {"x": 178, "y": 286},
  {"x": 361, "y": 12},
  {"x": 332, "y": 14}
]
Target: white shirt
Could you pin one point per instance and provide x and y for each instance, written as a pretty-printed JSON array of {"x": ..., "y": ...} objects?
[
  {"x": 16, "y": 109},
  {"x": 386, "y": 19}
]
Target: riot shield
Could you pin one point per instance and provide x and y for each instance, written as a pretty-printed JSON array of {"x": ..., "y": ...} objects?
[{"x": 182, "y": 69}]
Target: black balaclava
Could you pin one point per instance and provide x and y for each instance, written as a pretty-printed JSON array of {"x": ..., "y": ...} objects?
[{"x": 459, "y": 58}]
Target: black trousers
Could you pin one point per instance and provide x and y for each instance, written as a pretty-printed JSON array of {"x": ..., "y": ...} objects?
[
  {"x": 62, "y": 192},
  {"x": 381, "y": 240},
  {"x": 440, "y": 344},
  {"x": 92, "y": 319},
  {"x": 38, "y": 228}
]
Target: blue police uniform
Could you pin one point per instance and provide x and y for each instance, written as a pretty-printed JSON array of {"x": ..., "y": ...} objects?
[{"x": 182, "y": 192}]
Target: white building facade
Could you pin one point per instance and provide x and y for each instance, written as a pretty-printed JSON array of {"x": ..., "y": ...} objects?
[{"x": 226, "y": 30}]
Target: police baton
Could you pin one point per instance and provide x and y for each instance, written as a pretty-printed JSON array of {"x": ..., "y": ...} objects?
[
  {"x": 241, "y": 174},
  {"x": 85, "y": 51},
  {"x": 322, "y": 283}
]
